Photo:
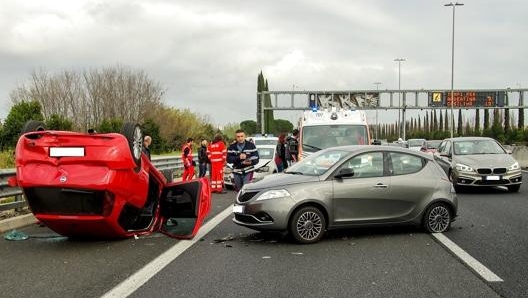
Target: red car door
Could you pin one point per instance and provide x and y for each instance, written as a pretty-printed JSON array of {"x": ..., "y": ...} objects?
[{"x": 183, "y": 207}]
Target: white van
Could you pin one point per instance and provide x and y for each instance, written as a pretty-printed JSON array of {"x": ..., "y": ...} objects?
[{"x": 321, "y": 129}]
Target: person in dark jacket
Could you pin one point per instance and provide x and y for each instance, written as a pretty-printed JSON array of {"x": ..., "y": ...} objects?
[
  {"x": 244, "y": 156},
  {"x": 280, "y": 153},
  {"x": 203, "y": 160}
]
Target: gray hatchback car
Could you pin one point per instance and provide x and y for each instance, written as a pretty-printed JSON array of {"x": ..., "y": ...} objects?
[{"x": 350, "y": 186}]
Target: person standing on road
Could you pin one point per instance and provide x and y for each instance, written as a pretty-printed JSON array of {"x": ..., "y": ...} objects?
[
  {"x": 244, "y": 156},
  {"x": 147, "y": 140},
  {"x": 188, "y": 162},
  {"x": 217, "y": 153},
  {"x": 203, "y": 159},
  {"x": 280, "y": 153},
  {"x": 292, "y": 147}
]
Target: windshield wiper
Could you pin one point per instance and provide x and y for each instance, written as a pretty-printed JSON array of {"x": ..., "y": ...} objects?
[{"x": 311, "y": 146}]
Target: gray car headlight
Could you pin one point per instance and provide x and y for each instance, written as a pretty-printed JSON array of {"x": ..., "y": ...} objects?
[
  {"x": 514, "y": 166},
  {"x": 273, "y": 194},
  {"x": 463, "y": 168}
]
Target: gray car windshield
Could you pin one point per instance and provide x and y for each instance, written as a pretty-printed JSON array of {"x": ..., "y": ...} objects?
[
  {"x": 477, "y": 147},
  {"x": 318, "y": 163}
]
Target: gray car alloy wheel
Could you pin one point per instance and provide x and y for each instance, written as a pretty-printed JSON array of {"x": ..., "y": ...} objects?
[
  {"x": 308, "y": 225},
  {"x": 437, "y": 218}
]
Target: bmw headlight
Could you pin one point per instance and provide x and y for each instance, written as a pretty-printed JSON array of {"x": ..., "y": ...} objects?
[
  {"x": 463, "y": 168},
  {"x": 273, "y": 194},
  {"x": 514, "y": 166}
]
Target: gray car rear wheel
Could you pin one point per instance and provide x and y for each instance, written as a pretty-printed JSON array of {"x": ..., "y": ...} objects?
[
  {"x": 307, "y": 225},
  {"x": 437, "y": 218}
]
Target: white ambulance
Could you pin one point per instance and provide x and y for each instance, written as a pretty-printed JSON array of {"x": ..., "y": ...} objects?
[{"x": 321, "y": 129}]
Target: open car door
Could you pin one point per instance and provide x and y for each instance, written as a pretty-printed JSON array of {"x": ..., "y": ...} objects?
[{"x": 183, "y": 207}]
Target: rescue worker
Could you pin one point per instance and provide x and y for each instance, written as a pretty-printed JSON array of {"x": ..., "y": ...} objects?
[
  {"x": 217, "y": 153},
  {"x": 244, "y": 156},
  {"x": 188, "y": 162}
]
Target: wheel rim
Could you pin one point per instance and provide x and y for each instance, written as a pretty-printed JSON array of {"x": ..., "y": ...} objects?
[
  {"x": 309, "y": 225},
  {"x": 439, "y": 219},
  {"x": 138, "y": 143}
]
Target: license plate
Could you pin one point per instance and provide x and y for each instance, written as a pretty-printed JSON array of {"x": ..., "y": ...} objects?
[
  {"x": 238, "y": 209},
  {"x": 66, "y": 151},
  {"x": 492, "y": 178}
]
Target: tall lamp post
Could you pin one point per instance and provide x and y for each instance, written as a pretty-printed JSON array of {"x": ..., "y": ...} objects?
[
  {"x": 454, "y": 5},
  {"x": 377, "y": 125},
  {"x": 399, "y": 60}
]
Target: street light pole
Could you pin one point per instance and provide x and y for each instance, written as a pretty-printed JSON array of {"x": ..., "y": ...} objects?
[
  {"x": 399, "y": 60},
  {"x": 454, "y": 5},
  {"x": 377, "y": 126}
]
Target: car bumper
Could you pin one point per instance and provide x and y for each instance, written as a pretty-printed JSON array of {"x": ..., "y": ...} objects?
[
  {"x": 270, "y": 214},
  {"x": 464, "y": 179}
]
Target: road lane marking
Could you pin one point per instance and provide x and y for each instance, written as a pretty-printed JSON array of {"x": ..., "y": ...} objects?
[
  {"x": 480, "y": 269},
  {"x": 136, "y": 280}
]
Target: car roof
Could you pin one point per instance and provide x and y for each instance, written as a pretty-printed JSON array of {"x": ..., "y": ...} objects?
[
  {"x": 373, "y": 148},
  {"x": 470, "y": 138}
]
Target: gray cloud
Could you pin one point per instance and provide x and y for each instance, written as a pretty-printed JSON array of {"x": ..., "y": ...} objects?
[{"x": 207, "y": 54}]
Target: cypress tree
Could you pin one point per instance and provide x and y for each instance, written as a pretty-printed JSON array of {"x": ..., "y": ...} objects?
[
  {"x": 486, "y": 119},
  {"x": 446, "y": 121},
  {"x": 459, "y": 123},
  {"x": 441, "y": 122},
  {"x": 477, "y": 122}
]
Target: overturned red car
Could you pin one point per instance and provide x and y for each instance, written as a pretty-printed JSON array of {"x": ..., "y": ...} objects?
[{"x": 103, "y": 186}]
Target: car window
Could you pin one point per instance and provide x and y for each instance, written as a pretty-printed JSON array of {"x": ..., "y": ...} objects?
[
  {"x": 366, "y": 165},
  {"x": 405, "y": 163},
  {"x": 445, "y": 148},
  {"x": 265, "y": 153},
  {"x": 432, "y": 144}
]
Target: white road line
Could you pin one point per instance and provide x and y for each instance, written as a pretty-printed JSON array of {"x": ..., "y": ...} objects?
[
  {"x": 480, "y": 269},
  {"x": 139, "y": 278}
]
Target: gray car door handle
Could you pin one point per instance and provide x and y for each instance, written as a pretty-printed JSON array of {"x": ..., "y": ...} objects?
[{"x": 379, "y": 185}]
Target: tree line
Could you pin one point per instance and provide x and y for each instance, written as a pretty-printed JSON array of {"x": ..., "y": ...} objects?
[
  {"x": 104, "y": 99},
  {"x": 497, "y": 123}
]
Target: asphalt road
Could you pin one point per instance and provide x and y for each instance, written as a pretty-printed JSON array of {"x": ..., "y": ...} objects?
[{"x": 232, "y": 261}]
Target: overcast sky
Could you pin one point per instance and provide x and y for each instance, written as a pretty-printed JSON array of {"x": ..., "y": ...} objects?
[{"x": 207, "y": 54}]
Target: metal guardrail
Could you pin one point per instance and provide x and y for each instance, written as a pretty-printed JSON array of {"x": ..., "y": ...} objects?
[{"x": 170, "y": 166}]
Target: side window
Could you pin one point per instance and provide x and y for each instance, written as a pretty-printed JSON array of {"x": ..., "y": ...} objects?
[
  {"x": 444, "y": 147},
  {"x": 366, "y": 165},
  {"x": 405, "y": 163}
]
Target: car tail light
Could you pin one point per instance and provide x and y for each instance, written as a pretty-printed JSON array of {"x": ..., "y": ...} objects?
[{"x": 108, "y": 203}]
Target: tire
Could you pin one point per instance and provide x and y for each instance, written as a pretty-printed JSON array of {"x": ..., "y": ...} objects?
[
  {"x": 453, "y": 181},
  {"x": 134, "y": 136},
  {"x": 33, "y": 125},
  {"x": 307, "y": 225},
  {"x": 437, "y": 218},
  {"x": 514, "y": 188}
]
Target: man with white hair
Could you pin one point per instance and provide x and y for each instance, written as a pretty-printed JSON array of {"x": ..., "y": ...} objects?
[{"x": 147, "y": 140}]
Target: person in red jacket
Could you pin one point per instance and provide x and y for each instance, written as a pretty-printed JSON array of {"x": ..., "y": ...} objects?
[
  {"x": 188, "y": 162},
  {"x": 217, "y": 153}
]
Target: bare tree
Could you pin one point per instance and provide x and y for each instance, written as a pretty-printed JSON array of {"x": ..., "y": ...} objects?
[{"x": 90, "y": 96}]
